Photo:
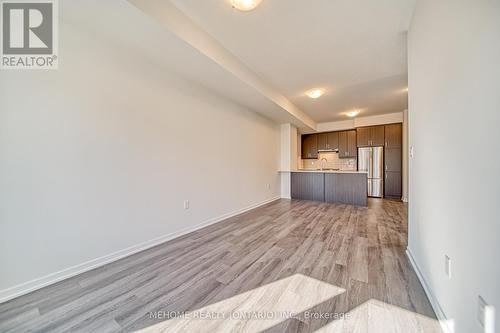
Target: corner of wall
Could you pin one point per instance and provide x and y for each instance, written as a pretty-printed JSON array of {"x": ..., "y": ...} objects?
[{"x": 447, "y": 325}]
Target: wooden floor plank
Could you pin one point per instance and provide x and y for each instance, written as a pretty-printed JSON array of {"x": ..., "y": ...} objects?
[{"x": 359, "y": 249}]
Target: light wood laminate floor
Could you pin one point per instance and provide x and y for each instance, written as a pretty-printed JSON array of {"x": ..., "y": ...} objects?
[{"x": 317, "y": 258}]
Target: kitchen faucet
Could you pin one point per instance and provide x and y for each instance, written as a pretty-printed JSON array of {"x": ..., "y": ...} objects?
[{"x": 321, "y": 163}]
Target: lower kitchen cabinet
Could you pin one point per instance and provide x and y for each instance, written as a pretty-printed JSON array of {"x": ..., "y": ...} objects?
[
  {"x": 392, "y": 184},
  {"x": 308, "y": 186},
  {"x": 393, "y": 159},
  {"x": 392, "y": 173},
  {"x": 346, "y": 188}
]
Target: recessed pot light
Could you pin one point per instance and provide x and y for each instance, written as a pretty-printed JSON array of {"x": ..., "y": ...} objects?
[
  {"x": 315, "y": 93},
  {"x": 245, "y": 5},
  {"x": 352, "y": 113}
]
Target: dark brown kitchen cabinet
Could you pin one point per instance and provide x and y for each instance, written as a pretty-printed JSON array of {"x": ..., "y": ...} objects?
[
  {"x": 343, "y": 144},
  {"x": 309, "y": 146},
  {"x": 322, "y": 141},
  {"x": 347, "y": 144},
  {"x": 308, "y": 186},
  {"x": 392, "y": 185},
  {"x": 377, "y": 135},
  {"x": 370, "y": 136},
  {"x": 393, "y": 136},
  {"x": 349, "y": 188},
  {"x": 392, "y": 172},
  {"x": 363, "y": 136},
  {"x": 346, "y": 188},
  {"x": 333, "y": 140},
  {"x": 392, "y": 159},
  {"x": 328, "y": 141},
  {"x": 351, "y": 144}
]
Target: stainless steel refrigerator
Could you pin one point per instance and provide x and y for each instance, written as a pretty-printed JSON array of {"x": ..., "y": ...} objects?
[{"x": 371, "y": 160}]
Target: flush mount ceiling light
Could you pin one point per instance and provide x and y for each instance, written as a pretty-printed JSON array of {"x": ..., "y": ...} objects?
[
  {"x": 245, "y": 5},
  {"x": 315, "y": 93},
  {"x": 352, "y": 113}
]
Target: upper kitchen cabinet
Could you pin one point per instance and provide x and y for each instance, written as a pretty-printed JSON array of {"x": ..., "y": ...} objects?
[
  {"x": 351, "y": 144},
  {"x": 328, "y": 141},
  {"x": 322, "y": 141},
  {"x": 347, "y": 144},
  {"x": 343, "y": 144},
  {"x": 392, "y": 185},
  {"x": 370, "y": 136},
  {"x": 333, "y": 140},
  {"x": 363, "y": 136},
  {"x": 377, "y": 135},
  {"x": 393, "y": 136},
  {"x": 309, "y": 146}
]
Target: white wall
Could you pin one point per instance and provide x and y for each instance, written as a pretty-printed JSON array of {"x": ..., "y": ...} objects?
[
  {"x": 454, "y": 117},
  {"x": 288, "y": 162},
  {"x": 177, "y": 22},
  {"x": 99, "y": 155}
]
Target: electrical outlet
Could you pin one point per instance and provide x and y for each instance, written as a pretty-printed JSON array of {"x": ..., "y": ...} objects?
[
  {"x": 268, "y": 186},
  {"x": 186, "y": 204},
  {"x": 411, "y": 151},
  {"x": 486, "y": 316},
  {"x": 447, "y": 266}
]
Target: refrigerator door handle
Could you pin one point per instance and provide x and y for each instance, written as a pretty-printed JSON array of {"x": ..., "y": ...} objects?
[{"x": 370, "y": 164}]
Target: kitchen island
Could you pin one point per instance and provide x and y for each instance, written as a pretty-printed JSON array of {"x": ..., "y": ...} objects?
[{"x": 349, "y": 187}]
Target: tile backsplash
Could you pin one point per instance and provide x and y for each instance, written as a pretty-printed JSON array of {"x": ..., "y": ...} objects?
[{"x": 332, "y": 162}]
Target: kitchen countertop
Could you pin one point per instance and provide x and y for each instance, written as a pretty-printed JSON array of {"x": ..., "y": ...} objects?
[{"x": 327, "y": 171}]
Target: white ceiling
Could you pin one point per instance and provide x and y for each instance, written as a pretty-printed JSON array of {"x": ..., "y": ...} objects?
[
  {"x": 356, "y": 49},
  {"x": 121, "y": 24}
]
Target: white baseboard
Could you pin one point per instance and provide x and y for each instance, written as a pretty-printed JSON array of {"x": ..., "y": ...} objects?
[
  {"x": 27, "y": 287},
  {"x": 446, "y": 324}
]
